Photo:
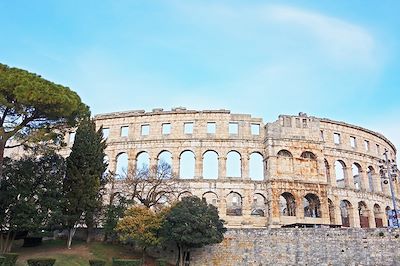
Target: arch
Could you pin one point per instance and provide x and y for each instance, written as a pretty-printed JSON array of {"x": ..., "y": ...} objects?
[
  {"x": 187, "y": 163},
  {"x": 121, "y": 168},
  {"x": 346, "y": 213},
  {"x": 312, "y": 206},
  {"x": 308, "y": 155},
  {"x": 256, "y": 166},
  {"x": 363, "y": 213},
  {"x": 142, "y": 161},
  {"x": 211, "y": 198},
  {"x": 331, "y": 208},
  {"x": 327, "y": 170},
  {"x": 378, "y": 215},
  {"x": 184, "y": 194},
  {"x": 287, "y": 204},
  {"x": 259, "y": 205},
  {"x": 233, "y": 164},
  {"x": 370, "y": 174},
  {"x": 106, "y": 160},
  {"x": 234, "y": 204},
  {"x": 210, "y": 165},
  {"x": 284, "y": 162},
  {"x": 356, "y": 170},
  {"x": 285, "y": 153},
  {"x": 165, "y": 156},
  {"x": 340, "y": 173}
]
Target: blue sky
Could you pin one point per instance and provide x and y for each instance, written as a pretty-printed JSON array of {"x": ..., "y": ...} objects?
[{"x": 335, "y": 59}]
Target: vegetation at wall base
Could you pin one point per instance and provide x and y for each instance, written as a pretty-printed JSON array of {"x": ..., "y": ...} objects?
[
  {"x": 11, "y": 259},
  {"x": 127, "y": 262},
  {"x": 161, "y": 262},
  {"x": 97, "y": 262},
  {"x": 41, "y": 262},
  {"x": 2, "y": 259}
]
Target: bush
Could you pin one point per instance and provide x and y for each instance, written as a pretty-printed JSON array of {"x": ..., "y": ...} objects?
[
  {"x": 2, "y": 259},
  {"x": 97, "y": 262},
  {"x": 41, "y": 262},
  {"x": 161, "y": 262},
  {"x": 11, "y": 259},
  {"x": 126, "y": 262}
]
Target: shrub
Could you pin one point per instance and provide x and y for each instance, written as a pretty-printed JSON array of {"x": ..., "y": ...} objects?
[
  {"x": 41, "y": 262},
  {"x": 2, "y": 259},
  {"x": 11, "y": 259},
  {"x": 97, "y": 262},
  {"x": 161, "y": 262},
  {"x": 126, "y": 262}
]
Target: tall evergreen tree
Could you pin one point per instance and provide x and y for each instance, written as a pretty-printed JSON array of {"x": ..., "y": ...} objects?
[{"x": 84, "y": 178}]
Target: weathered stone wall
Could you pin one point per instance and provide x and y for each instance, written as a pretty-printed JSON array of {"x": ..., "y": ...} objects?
[{"x": 302, "y": 246}]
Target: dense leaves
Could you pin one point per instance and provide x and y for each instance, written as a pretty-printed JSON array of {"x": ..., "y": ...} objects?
[
  {"x": 85, "y": 176},
  {"x": 33, "y": 109},
  {"x": 30, "y": 195}
]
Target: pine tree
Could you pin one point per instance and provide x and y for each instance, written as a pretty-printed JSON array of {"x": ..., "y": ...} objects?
[{"x": 84, "y": 178}]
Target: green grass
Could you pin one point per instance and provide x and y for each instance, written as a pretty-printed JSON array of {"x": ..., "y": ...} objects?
[{"x": 79, "y": 255}]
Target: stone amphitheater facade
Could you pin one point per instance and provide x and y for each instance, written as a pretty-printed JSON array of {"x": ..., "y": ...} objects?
[{"x": 314, "y": 171}]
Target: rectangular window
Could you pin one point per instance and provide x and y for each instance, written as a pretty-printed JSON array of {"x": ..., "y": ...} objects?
[
  {"x": 378, "y": 149},
  {"x": 305, "y": 123},
  {"x": 287, "y": 121},
  {"x": 255, "y": 129},
  {"x": 145, "y": 130},
  {"x": 71, "y": 137},
  {"x": 124, "y": 131},
  {"x": 297, "y": 122},
  {"x": 336, "y": 138},
  {"x": 211, "y": 128},
  {"x": 366, "y": 144},
  {"x": 188, "y": 128},
  {"x": 353, "y": 142},
  {"x": 106, "y": 132},
  {"x": 166, "y": 129},
  {"x": 233, "y": 128}
]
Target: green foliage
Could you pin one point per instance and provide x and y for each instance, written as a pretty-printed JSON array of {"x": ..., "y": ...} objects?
[
  {"x": 33, "y": 109},
  {"x": 126, "y": 262},
  {"x": 97, "y": 262},
  {"x": 113, "y": 212},
  {"x": 85, "y": 175},
  {"x": 30, "y": 195},
  {"x": 11, "y": 259},
  {"x": 2, "y": 259},
  {"x": 140, "y": 225},
  {"x": 41, "y": 262}
]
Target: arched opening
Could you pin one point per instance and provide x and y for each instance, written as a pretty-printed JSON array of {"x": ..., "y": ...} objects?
[
  {"x": 233, "y": 164},
  {"x": 284, "y": 162},
  {"x": 309, "y": 166},
  {"x": 331, "y": 207},
  {"x": 234, "y": 204},
  {"x": 287, "y": 204},
  {"x": 371, "y": 173},
  {"x": 327, "y": 171},
  {"x": 346, "y": 213},
  {"x": 106, "y": 160},
  {"x": 258, "y": 207},
  {"x": 356, "y": 170},
  {"x": 187, "y": 165},
  {"x": 164, "y": 164},
  {"x": 184, "y": 194},
  {"x": 312, "y": 206},
  {"x": 378, "y": 216},
  {"x": 308, "y": 155},
  {"x": 210, "y": 165},
  {"x": 363, "y": 214},
  {"x": 121, "y": 169},
  {"x": 211, "y": 198},
  {"x": 256, "y": 166},
  {"x": 340, "y": 173},
  {"x": 387, "y": 210},
  {"x": 143, "y": 161}
]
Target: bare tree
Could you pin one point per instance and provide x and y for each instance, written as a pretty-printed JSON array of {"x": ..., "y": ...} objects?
[{"x": 152, "y": 187}]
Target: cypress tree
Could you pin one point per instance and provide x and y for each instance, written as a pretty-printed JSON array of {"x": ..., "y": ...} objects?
[{"x": 84, "y": 178}]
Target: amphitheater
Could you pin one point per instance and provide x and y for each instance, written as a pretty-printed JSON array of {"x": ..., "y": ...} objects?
[{"x": 298, "y": 171}]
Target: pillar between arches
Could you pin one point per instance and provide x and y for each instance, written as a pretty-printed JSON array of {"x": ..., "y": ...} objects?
[{"x": 221, "y": 167}]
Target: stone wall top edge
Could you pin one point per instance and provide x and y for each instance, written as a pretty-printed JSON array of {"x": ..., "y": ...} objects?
[{"x": 376, "y": 134}]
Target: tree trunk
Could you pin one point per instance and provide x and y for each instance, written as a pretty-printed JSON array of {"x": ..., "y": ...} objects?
[
  {"x": 144, "y": 256},
  {"x": 71, "y": 234},
  {"x": 89, "y": 232},
  {"x": 2, "y": 148},
  {"x": 6, "y": 241}
]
